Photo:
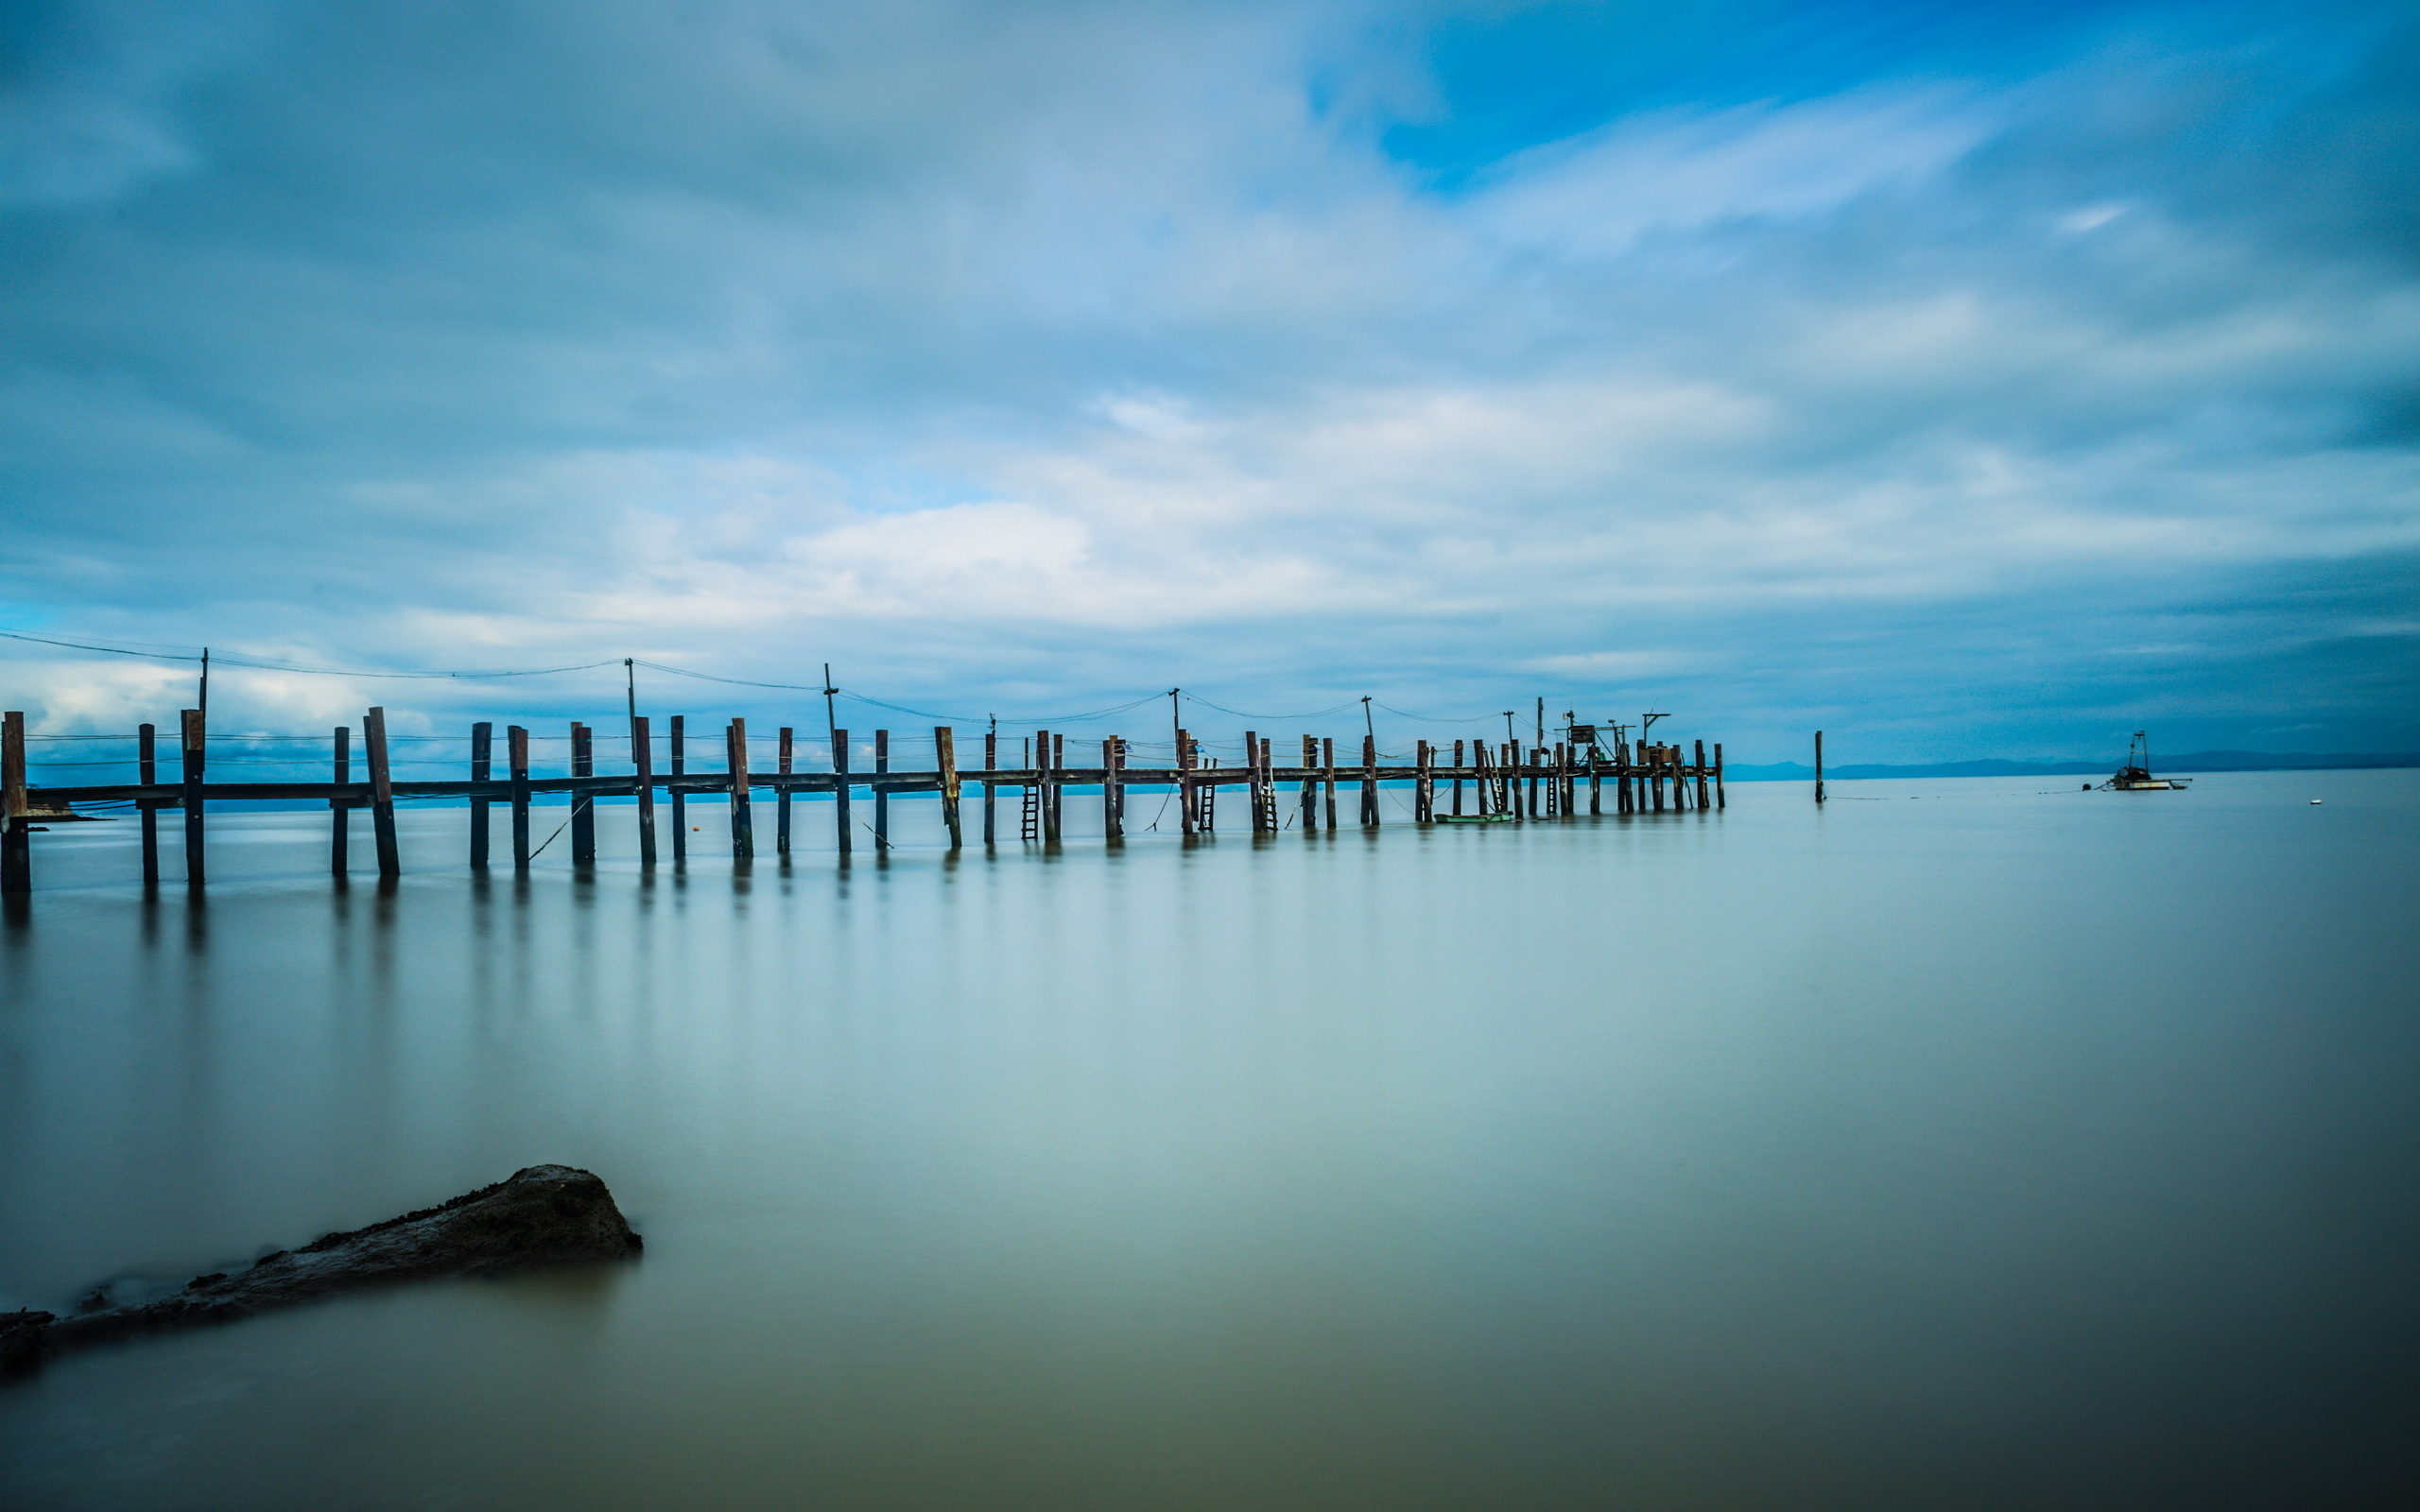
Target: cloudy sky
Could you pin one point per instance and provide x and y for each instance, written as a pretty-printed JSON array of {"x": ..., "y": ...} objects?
[{"x": 1966, "y": 378}]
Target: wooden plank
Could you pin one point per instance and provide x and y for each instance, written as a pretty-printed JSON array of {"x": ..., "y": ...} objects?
[
  {"x": 743, "y": 813},
  {"x": 643, "y": 784},
  {"x": 782, "y": 754},
  {"x": 840, "y": 787},
  {"x": 146, "y": 767},
  {"x": 482, "y": 754},
  {"x": 16, "y": 808},
  {"x": 583, "y": 805},
  {"x": 945, "y": 762},
  {"x": 382, "y": 793},
  {"x": 676, "y": 751},
  {"x": 516, "y": 762},
  {"x": 340, "y": 820}
]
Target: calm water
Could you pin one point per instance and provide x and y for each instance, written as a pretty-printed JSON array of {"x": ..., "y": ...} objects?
[{"x": 1966, "y": 1146}]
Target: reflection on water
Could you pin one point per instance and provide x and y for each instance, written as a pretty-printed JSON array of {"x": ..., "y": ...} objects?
[{"x": 1998, "y": 1148}]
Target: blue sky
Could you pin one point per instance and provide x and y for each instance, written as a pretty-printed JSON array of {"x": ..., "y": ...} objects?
[{"x": 1967, "y": 380}]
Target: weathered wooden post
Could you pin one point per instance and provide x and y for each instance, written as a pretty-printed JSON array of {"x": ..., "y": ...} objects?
[
  {"x": 1370, "y": 781},
  {"x": 1699, "y": 747},
  {"x": 1718, "y": 799},
  {"x": 677, "y": 754},
  {"x": 945, "y": 763},
  {"x": 1819, "y": 766},
  {"x": 1252, "y": 776},
  {"x": 1311, "y": 796},
  {"x": 517, "y": 765},
  {"x": 382, "y": 793},
  {"x": 841, "y": 786},
  {"x": 1458, "y": 779},
  {"x": 881, "y": 794},
  {"x": 1596, "y": 781},
  {"x": 482, "y": 755},
  {"x": 584, "y": 802},
  {"x": 1045, "y": 789},
  {"x": 146, "y": 771},
  {"x": 1419, "y": 784},
  {"x": 1184, "y": 779},
  {"x": 990, "y": 790},
  {"x": 643, "y": 759},
  {"x": 1109, "y": 828},
  {"x": 1058, "y": 787},
  {"x": 781, "y": 757},
  {"x": 16, "y": 808},
  {"x": 193, "y": 734},
  {"x": 743, "y": 813},
  {"x": 340, "y": 821}
]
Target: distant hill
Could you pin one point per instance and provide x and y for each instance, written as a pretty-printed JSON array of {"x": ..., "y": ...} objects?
[{"x": 2199, "y": 760}]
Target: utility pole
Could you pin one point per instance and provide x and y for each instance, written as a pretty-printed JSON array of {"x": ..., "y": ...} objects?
[
  {"x": 630, "y": 694},
  {"x": 204, "y": 699},
  {"x": 831, "y": 720},
  {"x": 1509, "y": 736},
  {"x": 1542, "y": 722},
  {"x": 1366, "y": 722},
  {"x": 1176, "y": 723}
]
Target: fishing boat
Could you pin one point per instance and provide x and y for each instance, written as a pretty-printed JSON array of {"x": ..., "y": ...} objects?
[{"x": 2135, "y": 775}]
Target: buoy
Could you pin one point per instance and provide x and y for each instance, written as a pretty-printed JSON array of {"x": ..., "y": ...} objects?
[{"x": 2315, "y": 802}]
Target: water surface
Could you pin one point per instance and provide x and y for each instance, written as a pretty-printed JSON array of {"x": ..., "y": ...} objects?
[{"x": 1965, "y": 1145}]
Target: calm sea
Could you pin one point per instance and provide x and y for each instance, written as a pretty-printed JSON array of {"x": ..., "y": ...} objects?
[{"x": 1968, "y": 1144}]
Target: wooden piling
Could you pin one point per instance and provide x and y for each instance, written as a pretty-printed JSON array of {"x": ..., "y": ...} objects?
[
  {"x": 676, "y": 753},
  {"x": 1058, "y": 789},
  {"x": 881, "y": 794},
  {"x": 1311, "y": 796},
  {"x": 1699, "y": 747},
  {"x": 1046, "y": 789},
  {"x": 1819, "y": 766},
  {"x": 841, "y": 786},
  {"x": 782, "y": 754},
  {"x": 1458, "y": 780},
  {"x": 146, "y": 771},
  {"x": 1596, "y": 781},
  {"x": 1184, "y": 779},
  {"x": 990, "y": 790},
  {"x": 583, "y": 805},
  {"x": 945, "y": 762},
  {"x": 1252, "y": 778},
  {"x": 194, "y": 731},
  {"x": 16, "y": 808},
  {"x": 643, "y": 759},
  {"x": 382, "y": 793},
  {"x": 516, "y": 763},
  {"x": 340, "y": 820},
  {"x": 743, "y": 813},
  {"x": 1370, "y": 781},
  {"x": 1719, "y": 800},
  {"x": 482, "y": 758}
]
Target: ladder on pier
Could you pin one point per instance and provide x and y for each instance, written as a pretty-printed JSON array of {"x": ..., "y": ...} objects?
[{"x": 1029, "y": 820}]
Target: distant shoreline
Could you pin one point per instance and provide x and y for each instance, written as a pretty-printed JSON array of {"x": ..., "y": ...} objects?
[{"x": 2199, "y": 760}]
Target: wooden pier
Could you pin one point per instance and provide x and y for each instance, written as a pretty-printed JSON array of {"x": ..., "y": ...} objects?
[{"x": 1471, "y": 781}]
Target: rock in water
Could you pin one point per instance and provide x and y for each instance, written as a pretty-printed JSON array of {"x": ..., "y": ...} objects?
[{"x": 542, "y": 1217}]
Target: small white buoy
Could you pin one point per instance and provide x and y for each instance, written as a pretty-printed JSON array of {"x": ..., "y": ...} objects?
[{"x": 2317, "y": 802}]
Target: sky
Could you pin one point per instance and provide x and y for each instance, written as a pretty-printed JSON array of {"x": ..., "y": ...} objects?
[{"x": 1965, "y": 380}]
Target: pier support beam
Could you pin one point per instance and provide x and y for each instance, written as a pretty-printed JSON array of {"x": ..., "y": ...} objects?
[
  {"x": 193, "y": 731},
  {"x": 382, "y": 793}
]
